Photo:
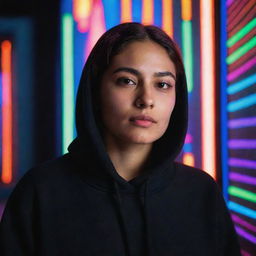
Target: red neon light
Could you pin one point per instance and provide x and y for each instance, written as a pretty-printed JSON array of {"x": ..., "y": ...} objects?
[{"x": 6, "y": 112}]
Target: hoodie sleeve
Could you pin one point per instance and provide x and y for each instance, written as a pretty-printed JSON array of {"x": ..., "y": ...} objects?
[
  {"x": 17, "y": 223},
  {"x": 227, "y": 237}
]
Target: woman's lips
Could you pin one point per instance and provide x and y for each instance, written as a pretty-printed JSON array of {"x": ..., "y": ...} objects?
[{"x": 142, "y": 121}]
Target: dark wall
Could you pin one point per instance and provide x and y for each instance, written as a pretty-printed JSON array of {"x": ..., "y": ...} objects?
[{"x": 45, "y": 19}]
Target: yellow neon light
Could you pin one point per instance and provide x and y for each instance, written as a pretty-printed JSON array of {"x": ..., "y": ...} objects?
[
  {"x": 126, "y": 11},
  {"x": 167, "y": 17},
  {"x": 189, "y": 159},
  {"x": 207, "y": 86},
  {"x": 81, "y": 13},
  {"x": 186, "y": 9},
  {"x": 147, "y": 12}
]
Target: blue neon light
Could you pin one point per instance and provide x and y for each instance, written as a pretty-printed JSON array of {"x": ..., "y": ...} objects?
[
  {"x": 242, "y": 103},
  {"x": 243, "y": 84},
  {"x": 242, "y": 209}
]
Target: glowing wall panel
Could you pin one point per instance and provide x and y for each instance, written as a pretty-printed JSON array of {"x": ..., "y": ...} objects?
[
  {"x": 238, "y": 98},
  {"x": 16, "y": 95}
]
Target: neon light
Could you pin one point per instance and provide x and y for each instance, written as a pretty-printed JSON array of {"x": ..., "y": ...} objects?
[
  {"x": 241, "y": 70},
  {"x": 235, "y": 11},
  {"x": 245, "y": 163},
  {"x": 167, "y": 17},
  {"x": 243, "y": 223},
  {"x": 249, "y": 5},
  {"x": 245, "y": 234},
  {"x": 241, "y": 51},
  {"x": 229, "y": 2},
  {"x": 81, "y": 13},
  {"x": 242, "y": 209},
  {"x": 7, "y": 140},
  {"x": 242, "y": 103},
  {"x": 126, "y": 11},
  {"x": 186, "y": 10},
  {"x": 242, "y": 122},
  {"x": 98, "y": 21},
  {"x": 242, "y": 144},
  {"x": 243, "y": 84},
  {"x": 244, "y": 253},
  {"x": 242, "y": 193},
  {"x": 241, "y": 33},
  {"x": 223, "y": 98},
  {"x": 147, "y": 12},
  {"x": 207, "y": 86},
  {"x": 242, "y": 178},
  {"x": 189, "y": 159},
  {"x": 187, "y": 147},
  {"x": 67, "y": 81},
  {"x": 188, "y": 52},
  {"x": 189, "y": 138}
]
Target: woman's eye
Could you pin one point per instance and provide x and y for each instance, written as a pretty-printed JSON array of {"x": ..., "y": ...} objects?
[
  {"x": 163, "y": 85},
  {"x": 125, "y": 81}
]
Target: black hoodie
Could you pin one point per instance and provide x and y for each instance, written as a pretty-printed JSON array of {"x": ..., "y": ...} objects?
[{"x": 79, "y": 205}]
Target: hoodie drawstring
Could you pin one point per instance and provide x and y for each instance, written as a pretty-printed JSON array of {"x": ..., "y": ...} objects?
[{"x": 143, "y": 202}]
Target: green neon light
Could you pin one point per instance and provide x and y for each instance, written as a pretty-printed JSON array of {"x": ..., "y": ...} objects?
[
  {"x": 241, "y": 33},
  {"x": 241, "y": 51},
  {"x": 187, "y": 49},
  {"x": 67, "y": 82},
  {"x": 242, "y": 103},
  {"x": 242, "y": 193}
]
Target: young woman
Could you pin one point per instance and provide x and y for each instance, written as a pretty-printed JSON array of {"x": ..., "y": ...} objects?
[{"x": 118, "y": 191}]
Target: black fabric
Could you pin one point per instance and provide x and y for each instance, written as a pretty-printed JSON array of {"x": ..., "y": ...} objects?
[{"x": 79, "y": 205}]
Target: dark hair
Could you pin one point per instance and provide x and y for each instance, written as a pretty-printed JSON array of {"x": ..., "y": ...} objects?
[{"x": 117, "y": 38}]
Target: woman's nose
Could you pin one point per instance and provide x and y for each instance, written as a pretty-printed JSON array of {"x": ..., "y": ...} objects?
[{"x": 144, "y": 98}]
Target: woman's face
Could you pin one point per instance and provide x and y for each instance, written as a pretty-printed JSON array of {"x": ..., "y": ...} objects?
[{"x": 138, "y": 94}]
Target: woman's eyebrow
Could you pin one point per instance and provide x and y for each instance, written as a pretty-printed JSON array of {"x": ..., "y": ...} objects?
[
  {"x": 138, "y": 73},
  {"x": 129, "y": 70},
  {"x": 166, "y": 73}
]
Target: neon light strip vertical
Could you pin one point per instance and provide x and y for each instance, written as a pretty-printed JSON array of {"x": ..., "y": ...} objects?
[
  {"x": 224, "y": 117},
  {"x": 7, "y": 150},
  {"x": 126, "y": 11},
  {"x": 147, "y": 12},
  {"x": 67, "y": 82},
  {"x": 207, "y": 86},
  {"x": 167, "y": 17}
]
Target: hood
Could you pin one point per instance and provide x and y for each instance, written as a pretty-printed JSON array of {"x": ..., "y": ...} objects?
[{"x": 88, "y": 150}]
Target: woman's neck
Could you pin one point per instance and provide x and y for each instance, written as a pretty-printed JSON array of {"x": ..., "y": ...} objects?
[{"x": 128, "y": 159}]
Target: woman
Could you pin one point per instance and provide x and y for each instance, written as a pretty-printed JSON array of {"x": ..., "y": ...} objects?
[{"x": 118, "y": 191}]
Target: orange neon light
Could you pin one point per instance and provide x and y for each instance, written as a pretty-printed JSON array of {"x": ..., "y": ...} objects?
[
  {"x": 81, "y": 13},
  {"x": 147, "y": 12},
  {"x": 167, "y": 17},
  {"x": 126, "y": 11},
  {"x": 189, "y": 159},
  {"x": 186, "y": 10},
  {"x": 6, "y": 112},
  {"x": 207, "y": 86}
]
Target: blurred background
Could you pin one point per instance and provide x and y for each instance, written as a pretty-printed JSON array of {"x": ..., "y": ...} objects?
[{"x": 44, "y": 45}]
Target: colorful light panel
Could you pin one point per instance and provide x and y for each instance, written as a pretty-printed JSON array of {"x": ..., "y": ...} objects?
[{"x": 238, "y": 87}]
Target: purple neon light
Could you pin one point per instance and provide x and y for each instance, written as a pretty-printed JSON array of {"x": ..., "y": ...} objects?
[
  {"x": 242, "y": 122},
  {"x": 243, "y": 223},
  {"x": 244, "y": 253},
  {"x": 245, "y": 234},
  {"x": 229, "y": 2},
  {"x": 238, "y": 162},
  {"x": 188, "y": 138},
  {"x": 242, "y": 144},
  {"x": 236, "y": 73},
  {"x": 242, "y": 178}
]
